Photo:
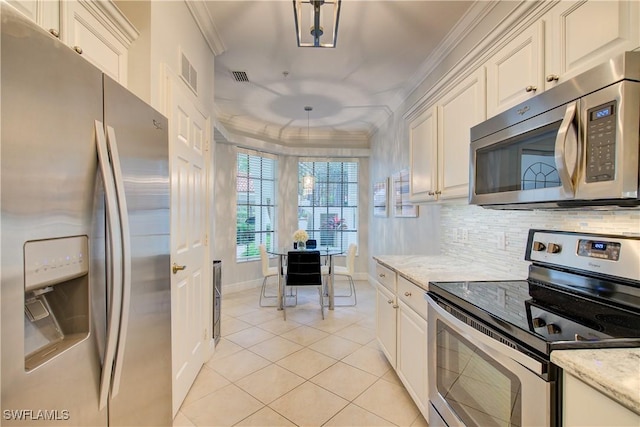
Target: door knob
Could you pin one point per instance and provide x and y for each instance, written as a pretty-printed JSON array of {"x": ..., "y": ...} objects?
[{"x": 177, "y": 268}]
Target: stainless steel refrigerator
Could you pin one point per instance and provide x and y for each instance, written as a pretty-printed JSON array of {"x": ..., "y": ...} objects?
[{"x": 85, "y": 286}]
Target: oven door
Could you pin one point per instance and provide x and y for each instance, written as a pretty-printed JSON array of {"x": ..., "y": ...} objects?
[
  {"x": 475, "y": 380},
  {"x": 531, "y": 162}
]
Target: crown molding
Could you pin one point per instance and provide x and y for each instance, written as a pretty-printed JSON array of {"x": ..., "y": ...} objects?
[{"x": 204, "y": 22}]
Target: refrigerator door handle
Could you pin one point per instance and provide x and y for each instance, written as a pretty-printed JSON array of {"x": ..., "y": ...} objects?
[
  {"x": 112, "y": 145},
  {"x": 115, "y": 273}
]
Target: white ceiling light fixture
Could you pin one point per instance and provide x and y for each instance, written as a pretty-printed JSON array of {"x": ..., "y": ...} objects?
[{"x": 321, "y": 17}]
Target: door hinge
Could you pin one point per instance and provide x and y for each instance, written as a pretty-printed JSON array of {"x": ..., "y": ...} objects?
[
  {"x": 206, "y": 240},
  {"x": 207, "y": 145}
]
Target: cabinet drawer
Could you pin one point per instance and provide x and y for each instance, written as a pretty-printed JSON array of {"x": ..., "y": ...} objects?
[
  {"x": 413, "y": 296},
  {"x": 386, "y": 276}
]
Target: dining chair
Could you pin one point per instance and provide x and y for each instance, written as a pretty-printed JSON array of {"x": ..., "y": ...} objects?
[
  {"x": 266, "y": 273},
  {"x": 311, "y": 244},
  {"x": 303, "y": 269},
  {"x": 347, "y": 270}
]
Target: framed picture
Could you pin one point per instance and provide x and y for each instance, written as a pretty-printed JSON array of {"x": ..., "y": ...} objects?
[
  {"x": 401, "y": 205},
  {"x": 380, "y": 198}
]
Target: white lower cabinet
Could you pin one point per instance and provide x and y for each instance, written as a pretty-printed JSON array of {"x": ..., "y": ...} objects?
[
  {"x": 583, "y": 405},
  {"x": 411, "y": 363},
  {"x": 401, "y": 330},
  {"x": 386, "y": 322}
]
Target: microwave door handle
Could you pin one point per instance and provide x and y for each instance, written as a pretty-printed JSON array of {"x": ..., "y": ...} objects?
[{"x": 566, "y": 149}]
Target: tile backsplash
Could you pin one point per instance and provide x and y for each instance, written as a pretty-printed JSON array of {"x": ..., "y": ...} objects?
[{"x": 499, "y": 237}]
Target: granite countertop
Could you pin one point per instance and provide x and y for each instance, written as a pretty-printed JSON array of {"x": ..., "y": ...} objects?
[
  {"x": 422, "y": 269},
  {"x": 614, "y": 371}
]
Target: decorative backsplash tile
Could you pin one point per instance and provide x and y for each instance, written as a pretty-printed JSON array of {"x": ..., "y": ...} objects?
[{"x": 472, "y": 232}]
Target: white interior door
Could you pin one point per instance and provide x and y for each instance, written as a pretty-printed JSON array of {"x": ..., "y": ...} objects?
[{"x": 188, "y": 136}]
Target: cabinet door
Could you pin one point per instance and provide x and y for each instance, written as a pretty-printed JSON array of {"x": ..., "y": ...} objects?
[
  {"x": 412, "y": 356},
  {"x": 516, "y": 72},
  {"x": 585, "y": 406},
  {"x": 587, "y": 33},
  {"x": 423, "y": 136},
  {"x": 45, "y": 13},
  {"x": 90, "y": 33},
  {"x": 386, "y": 323},
  {"x": 462, "y": 108}
]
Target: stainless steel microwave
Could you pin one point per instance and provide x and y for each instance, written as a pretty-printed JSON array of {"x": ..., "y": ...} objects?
[{"x": 575, "y": 145}]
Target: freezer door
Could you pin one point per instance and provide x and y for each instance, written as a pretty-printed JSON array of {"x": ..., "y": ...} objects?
[
  {"x": 51, "y": 221},
  {"x": 142, "y": 372}
]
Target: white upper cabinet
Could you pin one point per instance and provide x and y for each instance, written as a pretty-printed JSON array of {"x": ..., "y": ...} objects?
[
  {"x": 439, "y": 141},
  {"x": 462, "y": 108},
  {"x": 423, "y": 146},
  {"x": 583, "y": 34},
  {"x": 516, "y": 72},
  {"x": 95, "y": 29}
]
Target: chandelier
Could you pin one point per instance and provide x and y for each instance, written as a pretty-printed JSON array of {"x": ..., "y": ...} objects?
[{"x": 321, "y": 17}]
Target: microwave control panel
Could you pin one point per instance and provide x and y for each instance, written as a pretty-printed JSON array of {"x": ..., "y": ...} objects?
[{"x": 601, "y": 142}]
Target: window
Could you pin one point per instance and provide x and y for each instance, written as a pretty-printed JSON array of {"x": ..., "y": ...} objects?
[
  {"x": 328, "y": 202},
  {"x": 256, "y": 204}
]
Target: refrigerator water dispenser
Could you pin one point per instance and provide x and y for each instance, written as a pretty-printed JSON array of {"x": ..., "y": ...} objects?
[{"x": 56, "y": 298}]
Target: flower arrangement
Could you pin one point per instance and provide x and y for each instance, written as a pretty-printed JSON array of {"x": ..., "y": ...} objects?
[{"x": 300, "y": 236}]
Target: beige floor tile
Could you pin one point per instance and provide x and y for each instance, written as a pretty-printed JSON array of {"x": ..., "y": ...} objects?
[
  {"x": 278, "y": 325},
  {"x": 330, "y": 324},
  {"x": 257, "y": 317},
  {"x": 344, "y": 380},
  {"x": 239, "y": 309},
  {"x": 306, "y": 363},
  {"x": 206, "y": 382},
  {"x": 275, "y": 348},
  {"x": 225, "y": 407},
  {"x": 304, "y": 335},
  {"x": 266, "y": 417},
  {"x": 239, "y": 365},
  {"x": 357, "y": 334},
  {"x": 419, "y": 422},
  {"x": 223, "y": 349},
  {"x": 389, "y": 401},
  {"x": 269, "y": 383},
  {"x": 392, "y": 377},
  {"x": 370, "y": 360},
  {"x": 334, "y": 346},
  {"x": 354, "y": 416},
  {"x": 249, "y": 337},
  {"x": 297, "y": 407},
  {"x": 232, "y": 325},
  {"x": 181, "y": 420}
]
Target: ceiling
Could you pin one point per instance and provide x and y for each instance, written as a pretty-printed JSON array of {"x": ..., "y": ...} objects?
[{"x": 382, "y": 48}]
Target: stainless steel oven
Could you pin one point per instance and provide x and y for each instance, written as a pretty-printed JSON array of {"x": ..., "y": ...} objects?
[
  {"x": 574, "y": 145},
  {"x": 490, "y": 342}
]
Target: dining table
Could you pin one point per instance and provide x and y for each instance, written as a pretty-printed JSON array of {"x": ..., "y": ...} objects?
[{"x": 326, "y": 252}]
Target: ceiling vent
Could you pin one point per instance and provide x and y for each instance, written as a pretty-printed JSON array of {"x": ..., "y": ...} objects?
[
  {"x": 189, "y": 74},
  {"x": 240, "y": 76}
]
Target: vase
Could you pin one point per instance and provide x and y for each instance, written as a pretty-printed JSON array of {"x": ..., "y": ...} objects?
[{"x": 302, "y": 246}]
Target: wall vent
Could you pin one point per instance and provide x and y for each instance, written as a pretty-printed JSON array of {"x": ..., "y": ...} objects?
[
  {"x": 240, "y": 76},
  {"x": 189, "y": 74}
]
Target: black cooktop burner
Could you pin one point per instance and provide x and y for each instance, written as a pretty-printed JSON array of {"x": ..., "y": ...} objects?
[{"x": 543, "y": 317}]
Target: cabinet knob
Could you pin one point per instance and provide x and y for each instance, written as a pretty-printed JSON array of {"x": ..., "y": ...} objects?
[
  {"x": 407, "y": 294},
  {"x": 78, "y": 49},
  {"x": 431, "y": 193},
  {"x": 390, "y": 301},
  {"x": 395, "y": 305},
  {"x": 552, "y": 78},
  {"x": 438, "y": 192},
  {"x": 55, "y": 33},
  {"x": 382, "y": 275},
  {"x": 531, "y": 88}
]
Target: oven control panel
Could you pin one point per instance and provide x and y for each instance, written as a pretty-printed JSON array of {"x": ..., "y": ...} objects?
[
  {"x": 599, "y": 253},
  {"x": 599, "y": 249}
]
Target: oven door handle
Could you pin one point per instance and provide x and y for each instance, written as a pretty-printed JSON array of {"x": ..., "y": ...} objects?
[
  {"x": 566, "y": 150},
  {"x": 493, "y": 348}
]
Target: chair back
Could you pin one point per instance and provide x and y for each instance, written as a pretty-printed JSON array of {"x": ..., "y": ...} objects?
[
  {"x": 264, "y": 258},
  {"x": 303, "y": 268},
  {"x": 311, "y": 244},
  {"x": 350, "y": 262}
]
